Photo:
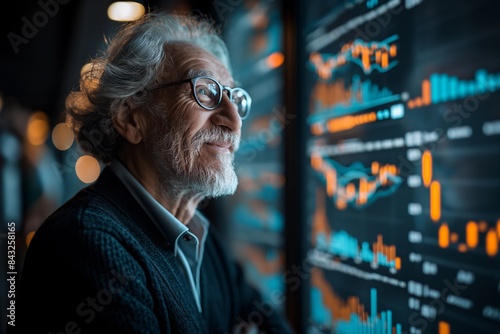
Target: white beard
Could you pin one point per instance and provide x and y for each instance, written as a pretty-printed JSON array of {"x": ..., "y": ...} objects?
[{"x": 181, "y": 168}]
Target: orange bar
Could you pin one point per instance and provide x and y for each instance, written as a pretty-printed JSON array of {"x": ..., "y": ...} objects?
[
  {"x": 483, "y": 226},
  {"x": 382, "y": 176},
  {"x": 375, "y": 167},
  {"x": 330, "y": 126},
  {"x": 377, "y": 56},
  {"x": 341, "y": 203},
  {"x": 462, "y": 248},
  {"x": 444, "y": 236},
  {"x": 316, "y": 129},
  {"x": 471, "y": 234},
  {"x": 454, "y": 237},
  {"x": 331, "y": 182},
  {"x": 316, "y": 161},
  {"x": 444, "y": 328},
  {"x": 397, "y": 263},
  {"x": 385, "y": 60},
  {"x": 393, "y": 50},
  {"x": 491, "y": 243},
  {"x": 426, "y": 92},
  {"x": 392, "y": 253},
  {"x": 393, "y": 169},
  {"x": 427, "y": 168},
  {"x": 365, "y": 59},
  {"x": 435, "y": 201},
  {"x": 363, "y": 191},
  {"x": 351, "y": 191}
]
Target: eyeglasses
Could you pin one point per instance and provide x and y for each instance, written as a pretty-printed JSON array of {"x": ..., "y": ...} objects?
[{"x": 208, "y": 94}]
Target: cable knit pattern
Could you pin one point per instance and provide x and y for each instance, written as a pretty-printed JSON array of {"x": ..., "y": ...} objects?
[{"x": 99, "y": 265}]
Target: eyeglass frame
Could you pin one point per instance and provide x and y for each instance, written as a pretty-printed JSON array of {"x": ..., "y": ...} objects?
[{"x": 222, "y": 88}]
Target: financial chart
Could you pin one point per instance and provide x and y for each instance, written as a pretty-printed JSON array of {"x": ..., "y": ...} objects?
[
  {"x": 253, "y": 217},
  {"x": 403, "y": 179}
]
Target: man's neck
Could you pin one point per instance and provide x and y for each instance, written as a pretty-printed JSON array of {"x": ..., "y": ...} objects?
[{"x": 181, "y": 204}]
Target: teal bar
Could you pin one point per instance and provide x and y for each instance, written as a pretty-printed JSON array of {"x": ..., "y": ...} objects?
[
  {"x": 398, "y": 329},
  {"x": 366, "y": 92},
  {"x": 382, "y": 318},
  {"x": 435, "y": 88},
  {"x": 389, "y": 322},
  {"x": 355, "y": 88},
  {"x": 453, "y": 88},
  {"x": 472, "y": 88},
  {"x": 366, "y": 253},
  {"x": 482, "y": 81},
  {"x": 318, "y": 312},
  {"x": 444, "y": 88},
  {"x": 462, "y": 89},
  {"x": 373, "y": 300}
]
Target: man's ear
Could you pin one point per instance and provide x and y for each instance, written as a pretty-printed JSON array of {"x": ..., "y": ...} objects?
[{"x": 129, "y": 124}]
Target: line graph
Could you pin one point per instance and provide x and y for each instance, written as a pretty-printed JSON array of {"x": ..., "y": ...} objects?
[
  {"x": 356, "y": 185},
  {"x": 369, "y": 56}
]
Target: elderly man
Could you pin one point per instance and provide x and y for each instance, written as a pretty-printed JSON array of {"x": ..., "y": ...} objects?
[{"x": 131, "y": 253}]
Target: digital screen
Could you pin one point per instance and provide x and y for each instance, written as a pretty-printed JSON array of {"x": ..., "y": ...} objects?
[
  {"x": 403, "y": 179},
  {"x": 253, "y": 217}
]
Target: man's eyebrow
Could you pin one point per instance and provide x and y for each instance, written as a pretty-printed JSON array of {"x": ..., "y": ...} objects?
[
  {"x": 199, "y": 72},
  {"x": 192, "y": 73}
]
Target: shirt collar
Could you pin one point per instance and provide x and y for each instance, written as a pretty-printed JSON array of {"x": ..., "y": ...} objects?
[{"x": 169, "y": 225}]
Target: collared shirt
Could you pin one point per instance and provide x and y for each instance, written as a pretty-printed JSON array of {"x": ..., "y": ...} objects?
[{"x": 187, "y": 247}]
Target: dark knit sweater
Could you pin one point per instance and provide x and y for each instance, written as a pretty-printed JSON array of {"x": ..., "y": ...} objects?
[{"x": 99, "y": 265}]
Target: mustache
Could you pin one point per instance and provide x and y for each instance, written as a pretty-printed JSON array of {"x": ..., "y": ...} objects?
[{"x": 217, "y": 134}]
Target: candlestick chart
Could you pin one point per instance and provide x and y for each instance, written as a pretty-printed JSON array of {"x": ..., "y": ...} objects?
[{"x": 402, "y": 184}]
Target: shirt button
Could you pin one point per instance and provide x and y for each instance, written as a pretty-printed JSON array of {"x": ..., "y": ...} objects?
[{"x": 187, "y": 237}]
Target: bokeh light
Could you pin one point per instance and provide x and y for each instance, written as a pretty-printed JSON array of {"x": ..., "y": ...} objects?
[
  {"x": 87, "y": 168},
  {"x": 62, "y": 136},
  {"x": 38, "y": 128},
  {"x": 125, "y": 11}
]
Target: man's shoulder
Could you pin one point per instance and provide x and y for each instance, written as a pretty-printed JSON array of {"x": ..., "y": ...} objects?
[
  {"x": 87, "y": 209},
  {"x": 100, "y": 205}
]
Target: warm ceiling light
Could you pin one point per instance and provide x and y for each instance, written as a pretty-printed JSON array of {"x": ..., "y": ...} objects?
[{"x": 125, "y": 11}]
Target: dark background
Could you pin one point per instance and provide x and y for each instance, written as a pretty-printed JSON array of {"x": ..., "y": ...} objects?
[{"x": 47, "y": 63}]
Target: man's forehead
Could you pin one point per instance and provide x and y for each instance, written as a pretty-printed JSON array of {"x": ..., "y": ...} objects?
[
  {"x": 194, "y": 60},
  {"x": 224, "y": 78}
]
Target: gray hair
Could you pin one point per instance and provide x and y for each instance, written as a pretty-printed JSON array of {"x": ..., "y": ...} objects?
[{"x": 134, "y": 59}]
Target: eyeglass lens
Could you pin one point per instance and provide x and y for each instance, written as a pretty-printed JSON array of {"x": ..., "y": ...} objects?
[{"x": 208, "y": 94}]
